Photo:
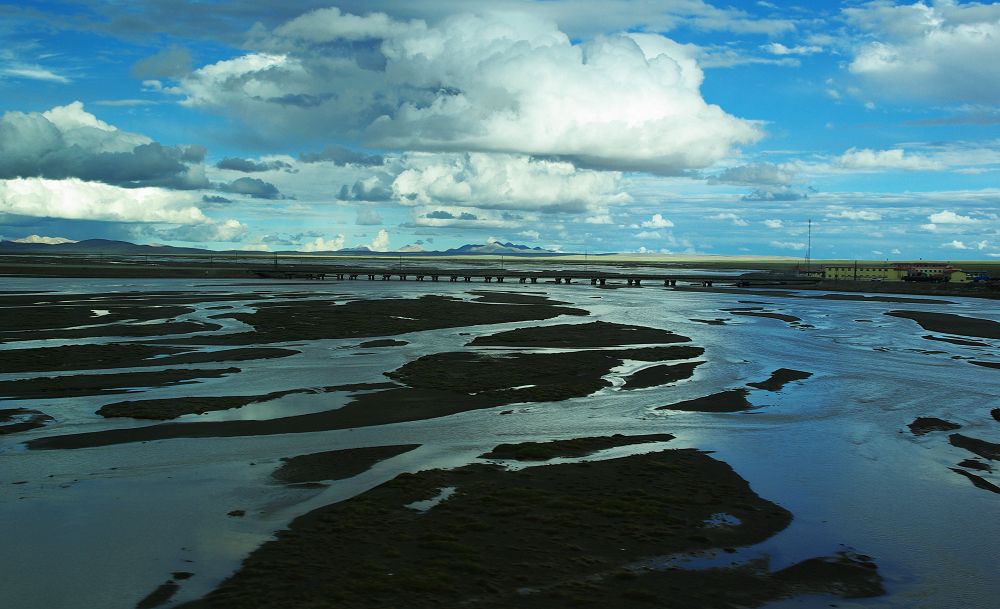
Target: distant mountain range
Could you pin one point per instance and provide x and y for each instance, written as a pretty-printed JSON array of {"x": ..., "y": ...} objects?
[{"x": 124, "y": 248}]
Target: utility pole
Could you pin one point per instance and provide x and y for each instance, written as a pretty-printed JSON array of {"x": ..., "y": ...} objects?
[{"x": 809, "y": 247}]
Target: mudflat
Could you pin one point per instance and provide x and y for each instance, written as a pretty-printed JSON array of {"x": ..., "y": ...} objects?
[
  {"x": 948, "y": 323},
  {"x": 553, "y": 536}
]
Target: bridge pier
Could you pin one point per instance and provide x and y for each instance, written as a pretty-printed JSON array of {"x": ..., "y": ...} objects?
[
  {"x": 534, "y": 280},
  {"x": 386, "y": 277},
  {"x": 602, "y": 280},
  {"x": 488, "y": 279},
  {"x": 434, "y": 277},
  {"x": 468, "y": 279},
  {"x": 420, "y": 277},
  {"x": 454, "y": 278},
  {"x": 402, "y": 277},
  {"x": 499, "y": 278},
  {"x": 593, "y": 281},
  {"x": 352, "y": 276},
  {"x": 371, "y": 278},
  {"x": 522, "y": 279}
]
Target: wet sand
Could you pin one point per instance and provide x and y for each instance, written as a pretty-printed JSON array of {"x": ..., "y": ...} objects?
[
  {"x": 335, "y": 464},
  {"x": 170, "y": 408},
  {"x": 779, "y": 316},
  {"x": 77, "y": 385},
  {"x": 925, "y": 425},
  {"x": 986, "y": 450},
  {"x": 13, "y": 420},
  {"x": 957, "y": 341},
  {"x": 124, "y": 355},
  {"x": 550, "y": 536},
  {"x": 657, "y": 376},
  {"x": 437, "y": 385},
  {"x": 779, "y": 378},
  {"x": 732, "y": 400},
  {"x": 978, "y": 481},
  {"x": 320, "y": 319},
  {"x": 578, "y": 336},
  {"x": 384, "y": 342},
  {"x": 575, "y": 447},
  {"x": 948, "y": 323}
]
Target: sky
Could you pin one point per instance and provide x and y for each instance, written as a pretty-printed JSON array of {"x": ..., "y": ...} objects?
[{"x": 672, "y": 126}]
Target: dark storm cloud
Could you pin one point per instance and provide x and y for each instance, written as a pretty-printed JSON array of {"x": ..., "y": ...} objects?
[
  {"x": 65, "y": 143},
  {"x": 252, "y": 187},
  {"x": 368, "y": 189},
  {"x": 342, "y": 156}
]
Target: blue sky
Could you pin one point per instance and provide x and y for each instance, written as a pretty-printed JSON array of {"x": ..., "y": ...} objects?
[{"x": 674, "y": 126}]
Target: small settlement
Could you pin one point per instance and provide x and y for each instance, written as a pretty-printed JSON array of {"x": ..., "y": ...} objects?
[{"x": 938, "y": 272}]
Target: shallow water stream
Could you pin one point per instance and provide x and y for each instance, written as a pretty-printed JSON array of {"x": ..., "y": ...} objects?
[{"x": 103, "y": 527}]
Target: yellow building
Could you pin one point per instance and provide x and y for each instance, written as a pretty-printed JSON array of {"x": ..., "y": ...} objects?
[
  {"x": 900, "y": 271},
  {"x": 850, "y": 272}
]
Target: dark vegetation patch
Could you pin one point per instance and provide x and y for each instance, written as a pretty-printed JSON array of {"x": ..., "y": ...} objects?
[
  {"x": 978, "y": 481},
  {"x": 336, "y": 464},
  {"x": 973, "y": 464},
  {"x": 957, "y": 341},
  {"x": 53, "y": 317},
  {"x": 576, "y": 336},
  {"x": 160, "y": 596},
  {"x": 13, "y": 420},
  {"x": 551, "y": 536},
  {"x": 513, "y": 298},
  {"x": 923, "y": 425},
  {"x": 125, "y": 330},
  {"x": 162, "y": 409},
  {"x": 527, "y": 377},
  {"x": 574, "y": 447},
  {"x": 101, "y": 384},
  {"x": 947, "y": 323},
  {"x": 124, "y": 355},
  {"x": 316, "y": 319},
  {"x": 662, "y": 374},
  {"x": 780, "y": 378},
  {"x": 382, "y": 342},
  {"x": 732, "y": 400},
  {"x": 438, "y": 385},
  {"x": 986, "y": 450}
]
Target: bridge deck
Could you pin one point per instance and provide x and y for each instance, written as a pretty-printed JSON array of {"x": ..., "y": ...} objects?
[{"x": 507, "y": 275}]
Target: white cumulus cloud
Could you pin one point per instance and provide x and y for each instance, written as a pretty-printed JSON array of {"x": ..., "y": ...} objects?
[
  {"x": 319, "y": 244},
  {"x": 492, "y": 82},
  {"x": 504, "y": 181},
  {"x": 851, "y": 214},
  {"x": 788, "y": 245},
  {"x": 949, "y": 217},
  {"x": 896, "y": 158},
  {"x": 78, "y": 200},
  {"x": 45, "y": 240},
  {"x": 657, "y": 221},
  {"x": 939, "y": 51}
]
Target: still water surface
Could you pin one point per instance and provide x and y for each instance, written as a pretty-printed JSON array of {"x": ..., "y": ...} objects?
[{"x": 102, "y": 527}]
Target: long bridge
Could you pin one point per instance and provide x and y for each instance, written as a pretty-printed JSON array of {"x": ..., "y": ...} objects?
[{"x": 597, "y": 278}]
